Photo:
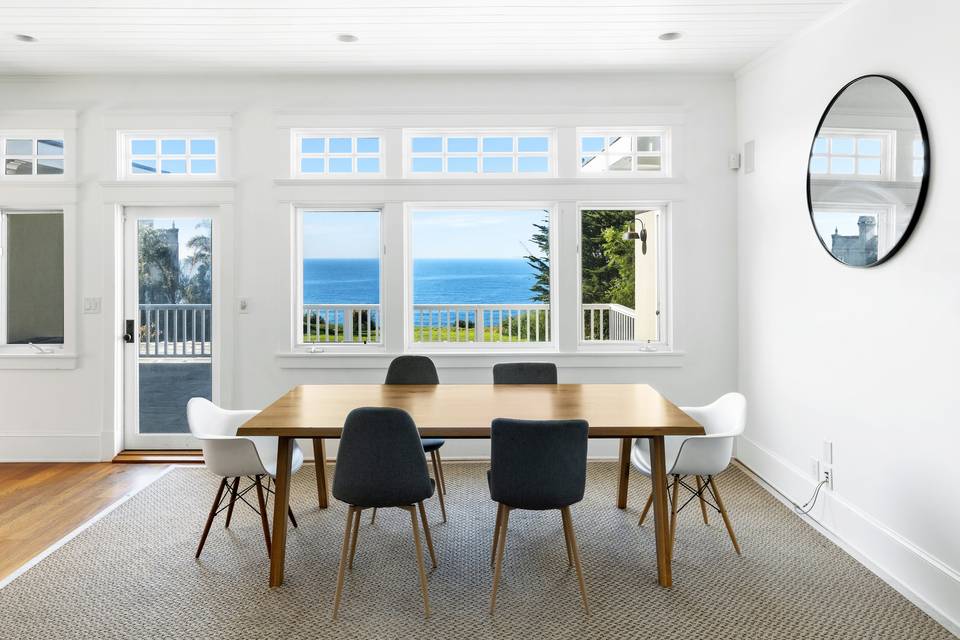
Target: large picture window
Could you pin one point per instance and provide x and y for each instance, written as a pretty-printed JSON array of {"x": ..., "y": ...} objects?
[
  {"x": 31, "y": 278},
  {"x": 480, "y": 276},
  {"x": 621, "y": 254},
  {"x": 471, "y": 152},
  {"x": 339, "y": 283}
]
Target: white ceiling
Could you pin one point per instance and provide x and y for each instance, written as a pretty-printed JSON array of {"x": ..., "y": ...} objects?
[{"x": 300, "y": 36}]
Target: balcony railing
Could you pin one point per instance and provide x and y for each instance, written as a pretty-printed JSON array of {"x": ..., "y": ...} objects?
[
  {"x": 481, "y": 323},
  {"x": 610, "y": 322},
  {"x": 341, "y": 323},
  {"x": 175, "y": 330}
]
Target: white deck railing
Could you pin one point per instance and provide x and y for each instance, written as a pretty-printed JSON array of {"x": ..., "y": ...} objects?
[
  {"x": 612, "y": 322},
  {"x": 341, "y": 323},
  {"x": 175, "y": 330}
]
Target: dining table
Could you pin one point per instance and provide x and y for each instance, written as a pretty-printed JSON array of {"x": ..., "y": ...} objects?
[{"x": 465, "y": 411}]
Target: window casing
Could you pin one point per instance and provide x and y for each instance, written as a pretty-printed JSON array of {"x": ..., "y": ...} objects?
[
  {"x": 474, "y": 153},
  {"x": 339, "y": 279},
  {"x": 152, "y": 155},
  {"x": 337, "y": 153},
  {"x": 32, "y": 279},
  {"x": 634, "y": 152},
  {"x": 27, "y": 155},
  {"x": 854, "y": 154}
]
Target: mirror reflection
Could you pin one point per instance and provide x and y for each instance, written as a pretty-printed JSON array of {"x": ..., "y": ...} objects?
[{"x": 868, "y": 171}]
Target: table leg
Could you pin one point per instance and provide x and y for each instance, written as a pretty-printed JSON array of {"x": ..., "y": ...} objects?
[
  {"x": 281, "y": 501},
  {"x": 320, "y": 459},
  {"x": 623, "y": 480},
  {"x": 658, "y": 466}
]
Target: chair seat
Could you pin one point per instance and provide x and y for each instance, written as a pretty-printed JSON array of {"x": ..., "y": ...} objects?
[
  {"x": 431, "y": 444},
  {"x": 267, "y": 450},
  {"x": 640, "y": 455}
]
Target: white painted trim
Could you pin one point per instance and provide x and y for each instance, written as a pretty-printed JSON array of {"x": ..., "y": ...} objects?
[
  {"x": 76, "y": 532},
  {"x": 38, "y": 361},
  {"x": 49, "y": 446},
  {"x": 920, "y": 577},
  {"x": 485, "y": 359}
]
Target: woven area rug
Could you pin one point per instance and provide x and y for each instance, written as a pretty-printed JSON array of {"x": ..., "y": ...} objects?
[{"x": 133, "y": 575}]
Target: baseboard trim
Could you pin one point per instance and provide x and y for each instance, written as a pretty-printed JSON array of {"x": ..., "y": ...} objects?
[{"x": 926, "y": 581}]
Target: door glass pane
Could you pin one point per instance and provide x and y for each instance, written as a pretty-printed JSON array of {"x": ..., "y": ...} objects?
[
  {"x": 34, "y": 250},
  {"x": 175, "y": 319}
]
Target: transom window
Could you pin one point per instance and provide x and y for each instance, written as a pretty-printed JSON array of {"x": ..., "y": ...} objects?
[
  {"x": 853, "y": 153},
  {"x": 472, "y": 152},
  {"x": 24, "y": 155},
  {"x": 174, "y": 155},
  {"x": 918, "y": 157},
  {"x": 639, "y": 151},
  {"x": 337, "y": 154}
]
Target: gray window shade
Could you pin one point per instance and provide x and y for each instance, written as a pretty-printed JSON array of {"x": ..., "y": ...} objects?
[{"x": 34, "y": 256}]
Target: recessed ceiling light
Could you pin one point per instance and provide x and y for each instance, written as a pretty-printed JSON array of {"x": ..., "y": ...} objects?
[
  {"x": 347, "y": 37},
  {"x": 22, "y": 37},
  {"x": 671, "y": 35}
]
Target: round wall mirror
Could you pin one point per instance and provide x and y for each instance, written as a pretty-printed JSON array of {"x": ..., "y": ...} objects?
[{"x": 868, "y": 171}]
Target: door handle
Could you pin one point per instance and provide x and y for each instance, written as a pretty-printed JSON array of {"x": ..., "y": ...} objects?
[{"x": 128, "y": 332}]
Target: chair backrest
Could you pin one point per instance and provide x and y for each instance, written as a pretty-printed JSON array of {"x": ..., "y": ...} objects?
[
  {"x": 722, "y": 420},
  {"x": 727, "y": 415},
  {"x": 525, "y": 373},
  {"x": 412, "y": 370},
  {"x": 207, "y": 419},
  {"x": 224, "y": 453},
  {"x": 380, "y": 461},
  {"x": 538, "y": 464}
]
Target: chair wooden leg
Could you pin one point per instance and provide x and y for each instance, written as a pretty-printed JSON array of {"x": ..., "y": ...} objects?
[
  {"x": 566, "y": 539},
  {"x": 436, "y": 477},
  {"x": 426, "y": 534},
  {"x": 293, "y": 520},
  {"x": 262, "y": 503},
  {"x": 646, "y": 508},
  {"x": 373, "y": 517},
  {"x": 496, "y": 534},
  {"x": 353, "y": 538},
  {"x": 723, "y": 514},
  {"x": 213, "y": 513},
  {"x": 673, "y": 513},
  {"x": 420, "y": 567},
  {"x": 344, "y": 549},
  {"x": 233, "y": 500},
  {"x": 568, "y": 527},
  {"x": 703, "y": 503},
  {"x": 498, "y": 565},
  {"x": 443, "y": 478}
]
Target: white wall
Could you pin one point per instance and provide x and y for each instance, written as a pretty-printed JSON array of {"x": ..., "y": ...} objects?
[
  {"x": 865, "y": 358},
  {"x": 70, "y": 414}
]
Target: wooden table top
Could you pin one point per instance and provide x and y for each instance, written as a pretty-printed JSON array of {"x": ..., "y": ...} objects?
[{"x": 466, "y": 410}]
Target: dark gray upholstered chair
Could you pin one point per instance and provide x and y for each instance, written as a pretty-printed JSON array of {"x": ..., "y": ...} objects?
[
  {"x": 537, "y": 465},
  {"x": 380, "y": 463},
  {"x": 420, "y": 370},
  {"x": 525, "y": 373}
]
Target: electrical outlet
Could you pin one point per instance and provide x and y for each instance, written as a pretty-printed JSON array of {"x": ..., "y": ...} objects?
[
  {"x": 244, "y": 305},
  {"x": 826, "y": 475},
  {"x": 91, "y": 305}
]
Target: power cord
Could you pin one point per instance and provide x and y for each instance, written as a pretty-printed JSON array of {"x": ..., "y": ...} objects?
[{"x": 809, "y": 504}]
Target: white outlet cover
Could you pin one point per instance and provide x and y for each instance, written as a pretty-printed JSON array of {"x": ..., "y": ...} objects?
[{"x": 91, "y": 305}]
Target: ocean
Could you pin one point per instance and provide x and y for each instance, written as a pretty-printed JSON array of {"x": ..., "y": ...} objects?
[{"x": 436, "y": 281}]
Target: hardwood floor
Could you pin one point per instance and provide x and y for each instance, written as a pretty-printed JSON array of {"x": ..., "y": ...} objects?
[{"x": 40, "y": 503}]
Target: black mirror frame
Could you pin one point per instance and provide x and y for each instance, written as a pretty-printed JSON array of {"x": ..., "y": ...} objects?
[{"x": 924, "y": 183}]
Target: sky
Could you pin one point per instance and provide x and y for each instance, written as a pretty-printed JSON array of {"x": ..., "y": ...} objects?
[
  {"x": 437, "y": 234},
  {"x": 188, "y": 229}
]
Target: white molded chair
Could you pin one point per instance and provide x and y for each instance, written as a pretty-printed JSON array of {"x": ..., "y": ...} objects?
[
  {"x": 233, "y": 457},
  {"x": 702, "y": 457}
]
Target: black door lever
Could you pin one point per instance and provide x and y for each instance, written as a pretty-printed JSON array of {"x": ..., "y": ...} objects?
[{"x": 128, "y": 332}]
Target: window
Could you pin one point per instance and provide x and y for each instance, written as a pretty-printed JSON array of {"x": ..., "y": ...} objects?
[
  {"x": 621, "y": 253},
  {"x": 853, "y": 154},
  {"x": 856, "y": 233},
  {"x": 194, "y": 155},
  {"x": 918, "y": 157},
  {"x": 31, "y": 278},
  {"x": 473, "y": 153},
  {"x": 339, "y": 278},
  {"x": 642, "y": 152},
  {"x": 337, "y": 154},
  {"x": 24, "y": 155},
  {"x": 480, "y": 276}
]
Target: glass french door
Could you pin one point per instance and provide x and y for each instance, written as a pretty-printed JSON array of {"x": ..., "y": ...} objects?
[{"x": 169, "y": 322}]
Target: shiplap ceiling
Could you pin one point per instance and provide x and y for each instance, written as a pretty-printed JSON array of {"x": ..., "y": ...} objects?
[{"x": 300, "y": 36}]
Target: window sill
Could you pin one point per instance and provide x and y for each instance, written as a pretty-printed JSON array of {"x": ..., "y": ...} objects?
[
  {"x": 458, "y": 181},
  {"x": 38, "y": 361},
  {"x": 485, "y": 359}
]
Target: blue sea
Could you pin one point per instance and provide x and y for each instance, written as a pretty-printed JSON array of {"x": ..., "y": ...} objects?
[{"x": 438, "y": 281}]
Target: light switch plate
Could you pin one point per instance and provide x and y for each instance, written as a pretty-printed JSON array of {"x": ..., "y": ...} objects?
[{"x": 91, "y": 305}]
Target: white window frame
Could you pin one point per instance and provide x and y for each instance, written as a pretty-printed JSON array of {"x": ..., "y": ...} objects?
[
  {"x": 297, "y": 135},
  {"x": 479, "y": 133},
  {"x": 125, "y": 155},
  {"x": 410, "y": 346},
  {"x": 298, "y": 345},
  {"x": 34, "y": 135},
  {"x": 665, "y": 155},
  {"x": 664, "y": 269},
  {"x": 68, "y": 288},
  {"x": 886, "y": 220},
  {"x": 914, "y": 157},
  {"x": 888, "y": 153}
]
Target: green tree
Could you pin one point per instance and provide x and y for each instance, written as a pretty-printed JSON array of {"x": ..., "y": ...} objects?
[
  {"x": 540, "y": 262},
  {"x": 198, "y": 288},
  {"x": 159, "y": 273},
  {"x": 607, "y": 261}
]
